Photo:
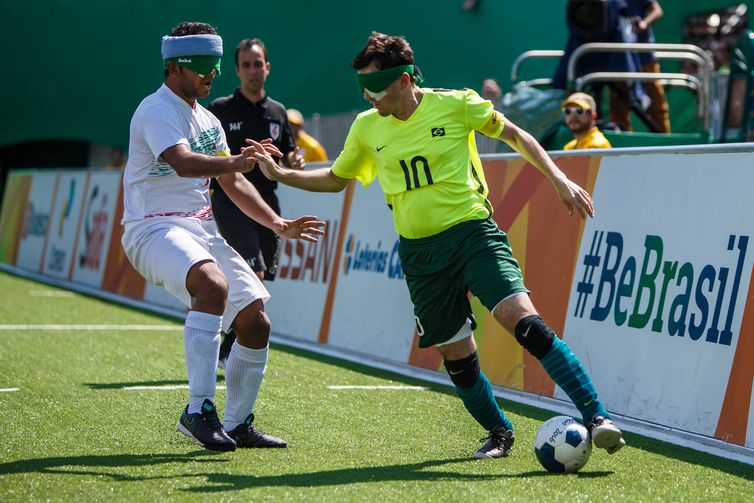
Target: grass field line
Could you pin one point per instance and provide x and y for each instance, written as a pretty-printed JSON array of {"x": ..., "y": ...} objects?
[
  {"x": 9, "y": 390},
  {"x": 149, "y": 328},
  {"x": 400, "y": 388},
  {"x": 166, "y": 387},
  {"x": 51, "y": 293}
]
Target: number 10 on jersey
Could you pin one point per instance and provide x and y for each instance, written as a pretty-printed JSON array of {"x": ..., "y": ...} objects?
[{"x": 414, "y": 173}]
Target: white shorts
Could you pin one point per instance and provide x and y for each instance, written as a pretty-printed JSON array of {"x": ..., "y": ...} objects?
[{"x": 163, "y": 249}]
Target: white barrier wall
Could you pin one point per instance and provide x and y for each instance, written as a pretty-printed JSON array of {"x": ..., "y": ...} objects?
[
  {"x": 654, "y": 294},
  {"x": 661, "y": 285}
]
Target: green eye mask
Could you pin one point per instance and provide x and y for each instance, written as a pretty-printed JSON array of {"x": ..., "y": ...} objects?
[
  {"x": 202, "y": 65},
  {"x": 379, "y": 80}
]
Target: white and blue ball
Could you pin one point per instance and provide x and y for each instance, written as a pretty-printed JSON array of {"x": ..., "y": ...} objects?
[{"x": 562, "y": 445}]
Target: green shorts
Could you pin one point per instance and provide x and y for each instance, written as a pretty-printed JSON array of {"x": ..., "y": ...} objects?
[{"x": 440, "y": 270}]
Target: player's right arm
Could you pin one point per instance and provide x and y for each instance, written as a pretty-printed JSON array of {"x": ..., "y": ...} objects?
[
  {"x": 190, "y": 164},
  {"x": 317, "y": 180}
]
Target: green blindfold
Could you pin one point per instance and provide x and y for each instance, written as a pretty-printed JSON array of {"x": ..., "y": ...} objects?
[
  {"x": 381, "y": 79},
  {"x": 202, "y": 65}
]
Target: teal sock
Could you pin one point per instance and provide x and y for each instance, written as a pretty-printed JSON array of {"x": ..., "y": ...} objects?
[
  {"x": 481, "y": 404},
  {"x": 566, "y": 370}
]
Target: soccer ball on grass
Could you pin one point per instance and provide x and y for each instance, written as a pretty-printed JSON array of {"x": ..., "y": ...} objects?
[{"x": 562, "y": 445}]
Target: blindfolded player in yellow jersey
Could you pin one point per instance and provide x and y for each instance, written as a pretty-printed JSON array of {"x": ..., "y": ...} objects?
[{"x": 421, "y": 144}]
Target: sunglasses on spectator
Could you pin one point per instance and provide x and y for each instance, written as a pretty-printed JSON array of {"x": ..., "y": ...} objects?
[{"x": 578, "y": 111}]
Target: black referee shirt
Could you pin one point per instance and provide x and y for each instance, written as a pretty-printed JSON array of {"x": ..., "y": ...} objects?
[{"x": 243, "y": 119}]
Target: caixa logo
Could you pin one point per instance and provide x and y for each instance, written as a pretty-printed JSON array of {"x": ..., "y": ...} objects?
[
  {"x": 667, "y": 295},
  {"x": 360, "y": 256}
]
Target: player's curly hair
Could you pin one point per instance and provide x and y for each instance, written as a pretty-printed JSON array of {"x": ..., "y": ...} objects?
[
  {"x": 193, "y": 28},
  {"x": 385, "y": 51}
]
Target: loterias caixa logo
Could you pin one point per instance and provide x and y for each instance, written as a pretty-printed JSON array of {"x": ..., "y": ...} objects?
[
  {"x": 669, "y": 295},
  {"x": 372, "y": 258}
]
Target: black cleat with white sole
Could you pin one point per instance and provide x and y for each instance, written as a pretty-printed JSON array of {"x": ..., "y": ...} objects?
[
  {"x": 246, "y": 435},
  {"x": 498, "y": 445},
  {"x": 605, "y": 435},
  {"x": 205, "y": 428}
]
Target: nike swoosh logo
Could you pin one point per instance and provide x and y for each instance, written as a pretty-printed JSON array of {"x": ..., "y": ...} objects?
[
  {"x": 454, "y": 373},
  {"x": 526, "y": 332},
  {"x": 590, "y": 401},
  {"x": 380, "y": 148}
]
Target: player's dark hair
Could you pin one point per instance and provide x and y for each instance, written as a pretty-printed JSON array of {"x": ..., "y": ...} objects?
[
  {"x": 245, "y": 45},
  {"x": 191, "y": 28},
  {"x": 385, "y": 51}
]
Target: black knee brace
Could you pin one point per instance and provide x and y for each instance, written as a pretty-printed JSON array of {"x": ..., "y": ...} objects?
[
  {"x": 464, "y": 373},
  {"x": 533, "y": 334}
]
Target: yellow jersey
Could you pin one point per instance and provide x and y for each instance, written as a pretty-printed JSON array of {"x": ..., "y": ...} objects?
[
  {"x": 428, "y": 165},
  {"x": 592, "y": 139}
]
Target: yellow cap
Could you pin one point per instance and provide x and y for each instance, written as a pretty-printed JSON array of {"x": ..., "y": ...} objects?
[
  {"x": 295, "y": 117},
  {"x": 581, "y": 100}
]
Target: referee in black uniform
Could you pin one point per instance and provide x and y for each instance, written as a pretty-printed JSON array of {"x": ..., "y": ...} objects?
[{"x": 250, "y": 113}]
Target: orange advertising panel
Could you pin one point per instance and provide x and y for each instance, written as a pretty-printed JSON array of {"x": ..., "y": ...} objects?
[
  {"x": 545, "y": 241},
  {"x": 120, "y": 277},
  {"x": 13, "y": 215}
]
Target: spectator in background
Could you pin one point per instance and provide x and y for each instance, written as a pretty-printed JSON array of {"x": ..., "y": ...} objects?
[
  {"x": 309, "y": 147},
  {"x": 601, "y": 21},
  {"x": 250, "y": 113},
  {"x": 580, "y": 114},
  {"x": 491, "y": 91},
  {"x": 643, "y": 14}
]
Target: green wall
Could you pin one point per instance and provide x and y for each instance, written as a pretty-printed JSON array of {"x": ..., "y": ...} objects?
[{"x": 77, "y": 69}]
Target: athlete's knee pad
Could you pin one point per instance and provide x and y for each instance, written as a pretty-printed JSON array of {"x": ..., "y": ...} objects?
[
  {"x": 464, "y": 373},
  {"x": 533, "y": 334}
]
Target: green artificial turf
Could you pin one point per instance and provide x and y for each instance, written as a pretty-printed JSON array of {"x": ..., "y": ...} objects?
[{"x": 74, "y": 433}]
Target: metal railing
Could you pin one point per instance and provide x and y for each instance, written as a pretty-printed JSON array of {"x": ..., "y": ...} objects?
[
  {"x": 534, "y": 54},
  {"x": 673, "y": 79},
  {"x": 686, "y": 52}
]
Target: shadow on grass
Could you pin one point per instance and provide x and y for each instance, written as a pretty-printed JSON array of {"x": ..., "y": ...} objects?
[
  {"x": 121, "y": 385},
  {"x": 430, "y": 470},
  {"x": 51, "y": 465},
  {"x": 658, "y": 447},
  {"x": 417, "y": 472}
]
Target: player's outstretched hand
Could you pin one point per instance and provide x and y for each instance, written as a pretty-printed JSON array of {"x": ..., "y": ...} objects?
[
  {"x": 575, "y": 198},
  {"x": 306, "y": 228},
  {"x": 262, "y": 153}
]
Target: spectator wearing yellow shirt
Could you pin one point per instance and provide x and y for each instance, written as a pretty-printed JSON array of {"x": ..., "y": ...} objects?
[
  {"x": 580, "y": 114},
  {"x": 310, "y": 148}
]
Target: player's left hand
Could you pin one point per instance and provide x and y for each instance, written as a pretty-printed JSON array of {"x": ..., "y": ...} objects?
[
  {"x": 575, "y": 198},
  {"x": 305, "y": 228}
]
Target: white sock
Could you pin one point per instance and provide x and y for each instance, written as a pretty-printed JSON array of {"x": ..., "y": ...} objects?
[
  {"x": 243, "y": 378},
  {"x": 201, "y": 343}
]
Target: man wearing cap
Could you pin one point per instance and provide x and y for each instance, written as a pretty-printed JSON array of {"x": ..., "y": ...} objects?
[
  {"x": 580, "y": 114},
  {"x": 420, "y": 142},
  {"x": 311, "y": 149},
  {"x": 175, "y": 147},
  {"x": 250, "y": 113}
]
